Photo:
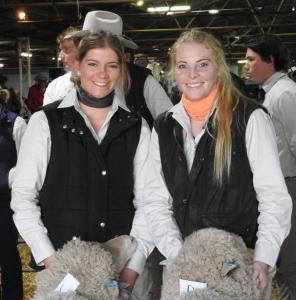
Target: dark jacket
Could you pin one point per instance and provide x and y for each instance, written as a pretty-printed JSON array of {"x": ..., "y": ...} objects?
[
  {"x": 7, "y": 153},
  {"x": 198, "y": 201},
  {"x": 88, "y": 189},
  {"x": 135, "y": 100}
]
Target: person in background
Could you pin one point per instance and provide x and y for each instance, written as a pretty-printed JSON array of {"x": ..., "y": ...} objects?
[
  {"x": 267, "y": 62},
  {"x": 36, "y": 93},
  {"x": 146, "y": 96},
  {"x": 213, "y": 161},
  {"x": 88, "y": 148},
  {"x": 13, "y": 104},
  {"x": 12, "y": 129},
  {"x": 62, "y": 85},
  {"x": 164, "y": 81},
  {"x": 142, "y": 61}
]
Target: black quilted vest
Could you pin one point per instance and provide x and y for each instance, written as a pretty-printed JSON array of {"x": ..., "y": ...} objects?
[
  {"x": 198, "y": 202},
  {"x": 88, "y": 189}
]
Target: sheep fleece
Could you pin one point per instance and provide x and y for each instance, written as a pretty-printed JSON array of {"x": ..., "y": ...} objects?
[
  {"x": 206, "y": 257},
  {"x": 88, "y": 262}
]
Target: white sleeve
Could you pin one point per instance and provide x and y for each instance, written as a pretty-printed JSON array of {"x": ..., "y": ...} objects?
[
  {"x": 275, "y": 205},
  {"x": 140, "y": 229},
  {"x": 50, "y": 93},
  {"x": 29, "y": 177},
  {"x": 19, "y": 128},
  {"x": 156, "y": 98},
  {"x": 158, "y": 206}
]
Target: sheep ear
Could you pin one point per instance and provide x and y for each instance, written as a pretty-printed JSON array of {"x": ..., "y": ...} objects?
[{"x": 227, "y": 267}]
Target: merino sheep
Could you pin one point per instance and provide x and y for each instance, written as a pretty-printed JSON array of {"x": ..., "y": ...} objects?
[
  {"x": 96, "y": 266},
  {"x": 215, "y": 257}
]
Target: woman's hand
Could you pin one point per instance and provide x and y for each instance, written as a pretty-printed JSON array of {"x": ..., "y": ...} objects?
[
  {"x": 47, "y": 261},
  {"x": 129, "y": 277},
  {"x": 260, "y": 271}
]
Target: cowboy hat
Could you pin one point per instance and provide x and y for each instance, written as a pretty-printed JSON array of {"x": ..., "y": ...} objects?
[{"x": 104, "y": 20}]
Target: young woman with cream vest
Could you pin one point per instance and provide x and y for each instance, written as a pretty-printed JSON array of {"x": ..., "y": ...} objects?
[{"x": 213, "y": 161}]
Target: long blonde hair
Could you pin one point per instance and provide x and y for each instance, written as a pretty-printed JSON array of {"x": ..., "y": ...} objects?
[{"x": 228, "y": 99}]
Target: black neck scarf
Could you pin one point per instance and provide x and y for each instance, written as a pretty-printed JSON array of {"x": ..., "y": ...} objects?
[{"x": 85, "y": 98}]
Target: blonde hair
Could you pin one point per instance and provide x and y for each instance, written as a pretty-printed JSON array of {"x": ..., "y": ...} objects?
[
  {"x": 104, "y": 39},
  {"x": 228, "y": 98},
  {"x": 67, "y": 32}
]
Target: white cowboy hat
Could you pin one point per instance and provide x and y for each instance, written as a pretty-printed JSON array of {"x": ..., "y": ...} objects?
[{"x": 104, "y": 20}]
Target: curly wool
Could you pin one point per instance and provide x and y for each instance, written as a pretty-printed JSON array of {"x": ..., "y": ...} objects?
[
  {"x": 209, "y": 256},
  {"x": 88, "y": 262}
]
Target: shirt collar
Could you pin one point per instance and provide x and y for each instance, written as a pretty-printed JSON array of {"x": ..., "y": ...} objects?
[
  {"x": 272, "y": 80},
  {"x": 180, "y": 114}
]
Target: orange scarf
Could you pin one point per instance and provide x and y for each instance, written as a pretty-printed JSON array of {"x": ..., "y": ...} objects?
[{"x": 199, "y": 109}]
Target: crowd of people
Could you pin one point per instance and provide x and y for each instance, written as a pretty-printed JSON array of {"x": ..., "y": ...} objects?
[{"x": 105, "y": 153}]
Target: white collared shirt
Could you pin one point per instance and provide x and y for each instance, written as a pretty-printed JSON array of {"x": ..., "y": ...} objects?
[
  {"x": 280, "y": 100},
  {"x": 274, "y": 201},
  {"x": 30, "y": 175}
]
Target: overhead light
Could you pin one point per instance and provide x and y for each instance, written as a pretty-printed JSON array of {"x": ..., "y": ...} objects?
[
  {"x": 169, "y": 10},
  {"x": 21, "y": 15},
  {"x": 293, "y": 8},
  {"x": 53, "y": 58},
  {"x": 180, "y": 7},
  {"x": 1, "y": 65},
  {"x": 213, "y": 11},
  {"x": 140, "y": 3},
  {"x": 242, "y": 61},
  {"x": 26, "y": 54},
  {"x": 158, "y": 9}
]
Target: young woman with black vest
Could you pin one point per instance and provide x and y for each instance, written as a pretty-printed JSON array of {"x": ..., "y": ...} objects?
[
  {"x": 82, "y": 163},
  {"x": 213, "y": 161}
]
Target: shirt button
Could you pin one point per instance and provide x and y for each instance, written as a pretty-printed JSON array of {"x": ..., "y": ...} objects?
[
  {"x": 81, "y": 132},
  {"x": 185, "y": 201},
  {"x": 65, "y": 126},
  {"x": 73, "y": 130},
  {"x": 104, "y": 172},
  {"x": 74, "y": 238},
  {"x": 102, "y": 224}
]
